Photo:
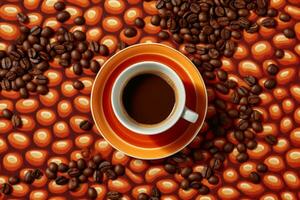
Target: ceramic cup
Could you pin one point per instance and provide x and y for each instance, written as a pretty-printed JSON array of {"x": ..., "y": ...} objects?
[{"x": 171, "y": 77}]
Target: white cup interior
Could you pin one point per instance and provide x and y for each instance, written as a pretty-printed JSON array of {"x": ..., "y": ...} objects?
[{"x": 148, "y": 67}]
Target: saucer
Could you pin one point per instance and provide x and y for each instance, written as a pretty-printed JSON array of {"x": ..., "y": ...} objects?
[{"x": 148, "y": 146}]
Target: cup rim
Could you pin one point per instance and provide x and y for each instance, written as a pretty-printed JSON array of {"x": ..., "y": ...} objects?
[{"x": 134, "y": 70}]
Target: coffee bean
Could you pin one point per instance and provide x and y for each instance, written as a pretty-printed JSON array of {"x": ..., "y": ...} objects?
[
  {"x": 97, "y": 159},
  {"x": 228, "y": 147},
  {"x": 270, "y": 83},
  {"x": 171, "y": 169},
  {"x": 155, "y": 192},
  {"x": 82, "y": 178},
  {"x": 197, "y": 155},
  {"x": 272, "y": 69},
  {"x": 98, "y": 175},
  {"x": 289, "y": 33},
  {"x": 122, "y": 45},
  {"x": 50, "y": 174},
  {"x": 73, "y": 184},
  {"x": 139, "y": 22},
  {"x": 262, "y": 168},
  {"x": 222, "y": 75},
  {"x": 214, "y": 180},
  {"x": 203, "y": 190},
  {"x": 74, "y": 172},
  {"x": 61, "y": 180},
  {"x": 86, "y": 125},
  {"x": 195, "y": 176},
  {"x": 130, "y": 32},
  {"x": 119, "y": 169},
  {"x": 256, "y": 89},
  {"x": 252, "y": 144},
  {"x": 284, "y": 17},
  {"x": 195, "y": 184},
  {"x": 104, "y": 166},
  {"x": 6, "y": 188},
  {"x": 155, "y": 20},
  {"x": 63, "y": 16},
  {"x": 62, "y": 167},
  {"x": 250, "y": 80},
  {"x": 16, "y": 121},
  {"x": 92, "y": 193},
  {"x": 59, "y": 6},
  {"x": 22, "y": 18},
  {"x": 79, "y": 35},
  {"x": 111, "y": 174},
  {"x": 185, "y": 184},
  {"x": 80, "y": 20},
  {"x": 253, "y": 99},
  {"x": 242, "y": 157},
  {"x": 269, "y": 23},
  {"x": 163, "y": 35},
  {"x": 81, "y": 164},
  {"x": 113, "y": 195},
  {"x": 207, "y": 172},
  {"x": 257, "y": 126},
  {"x": 78, "y": 85},
  {"x": 28, "y": 178},
  {"x": 241, "y": 148},
  {"x": 254, "y": 177},
  {"x": 94, "y": 66},
  {"x": 143, "y": 196},
  {"x": 7, "y": 114},
  {"x": 103, "y": 50},
  {"x": 53, "y": 167},
  {"x": 271, "y": 139},
  {"x": 42, "y": 89},
  {"x": 279, "y": 53},
  {"x": 222, "y": 88},
  {"x": 13, "y": 180},
  {"x": 88, "y": 172}
]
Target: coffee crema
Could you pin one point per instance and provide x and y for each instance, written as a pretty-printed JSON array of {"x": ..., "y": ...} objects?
[{"x": 148, "y": 98}]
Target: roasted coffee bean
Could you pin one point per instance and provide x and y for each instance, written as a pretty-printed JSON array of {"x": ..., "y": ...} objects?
[
  {"x": 72, "y": 164},
  {"x": 104, "y": 166},
  {"x": 6, "y": 63},
  {"x": 284, "y": 17},
  {"x": 13, "y": 180},
  {"x": 163, "y": 35},
  {"x": 42, "y": 89},
  {"x": 250, "y": 80},
  {"x": 231, "y": 84},
  {"x": 254, "y": 177},
  {"x": 77, "y": 68},
  {"x": 61, "y": 180},
  {"x": 50, "y": 174},
  {"x": 79, "y": 35},
  {"x": 94, "y": 46},
  {"x": 139, "y": 22},
  {"x": 6, "y": 188},
  {"x": 215, "y": 163},
  {"x": 103, "y": 50},
  {"x": 143, "y": 196},
  {"x": 185, "y": 184},
  {"x": 171, "y": 169},
  {"x": 222, "y": 75},
  {"x": 197, "y": 155},
  {"x": 112, "y": 195},
  {"x": 271, "y": 139},
  {"x": 195, "y": 184},
  {"x": 155, "y": 20},
  {"x": 242, "y": 157},
  {"x": 62, "y": 167},
  {"x": 253, "y": 28},
  {"x": 242, "y": 91},
  {"x": 203, "y": 190},
  {"x": 82, "y": 178},
  {"x": 53, "y": 167},
  {"x": 190, "y": 48},
  {"x": 257, "y": 126},
  {"x": 73, "y": 184},
  {"x": 28, "y": 178},
  {"x": 81, "y": 164},
  {"x": 195, "y": 176},
  {"x": 228, "y": 147},
  {"x": 63, "y": 16},
  {"x": 97, "y": 159},
  {"x": 232, "y": 113},
  {"x": 88, "y": 172},
  {"x": 289, "y": 33},
  {"x": 37, "y": 174},
  {"x": 98, "y": 175},
  {"x": 239, "y": 136},
  {"x": 214, "y": 180},
  {"x": 241, "y": 147},
  {"x": 130, "y": 32},
  {"x": 272, "y": 69},
  {"x": 119, "y": 169},
  {"x": 270, "y": 83},
  {"x": 253, "y": 99},
  {"x": 74, "y": 172},
  {"x": 22, "y": 18},
  {"x": 80, "y": 20},
  {"x": 78, "y": 85},
  {"x": 252, "y": 144},
  {"x": 92, "y": 164},
  {"x": 111, "y": 174},
  {"x": 262, "y": 168},
  {"x": 16, "y": 121},
  {"x": 7, "y": 114},
  {"x": 207, "y": 172},
  {"x": 59, "y": 6},
  {"x": 36, "y": 30},
  {"x": 279, "y": 53},
  {"x": 155, "y": 192},
  {"x": 186, "y": 171},
  {"x": 222, "y": 88},
  {"x": 94, "y": 66},
  {"x": 256, "y": 89},
  {"x": 243, "y": 125},
  {"x": 122, "y": 45},
  {"x": 86, "y": 125},
  {"x": 92, "y": 193}
]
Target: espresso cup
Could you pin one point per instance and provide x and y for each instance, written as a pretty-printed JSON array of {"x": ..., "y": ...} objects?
[{"x": 171, "y": 77}]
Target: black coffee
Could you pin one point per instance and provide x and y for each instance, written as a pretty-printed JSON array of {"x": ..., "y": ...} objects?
[{"x": 148, "y": 99}]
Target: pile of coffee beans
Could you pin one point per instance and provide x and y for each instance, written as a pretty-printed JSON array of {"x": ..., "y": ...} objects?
[{"x": 210, "y": 30}]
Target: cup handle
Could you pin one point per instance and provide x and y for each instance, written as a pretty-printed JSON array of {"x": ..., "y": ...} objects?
[{"x": 189, "y": 115}]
